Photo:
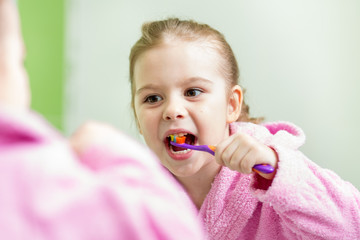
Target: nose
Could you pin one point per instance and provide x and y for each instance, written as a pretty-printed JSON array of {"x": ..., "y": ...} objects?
[{"x": 174, "y": 110}]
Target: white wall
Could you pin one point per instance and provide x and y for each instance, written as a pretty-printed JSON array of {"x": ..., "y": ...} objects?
[{"x": 299, "y": 61}]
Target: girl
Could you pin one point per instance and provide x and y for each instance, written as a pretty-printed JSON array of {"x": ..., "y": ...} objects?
[{"x": 184, "y": 82}]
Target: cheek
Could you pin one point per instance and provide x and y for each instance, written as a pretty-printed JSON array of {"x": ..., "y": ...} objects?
[
  {"x": 147, "y": 122},
  {"x": 149, "y": 126},
  {"x": 214, "y": 108},
  {"x": 212, "y": 120}
]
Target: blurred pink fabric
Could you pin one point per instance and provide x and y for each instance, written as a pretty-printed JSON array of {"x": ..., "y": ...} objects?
[
  {"x": 47, "y": 193},
  {"x": 303, "y": 201}
]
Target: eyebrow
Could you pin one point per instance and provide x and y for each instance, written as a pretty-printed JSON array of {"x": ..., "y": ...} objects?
[
  {"x": 146, "y": 87},
  {"x": 199, "y": 79},
  {"x": 188, "y": 80}
]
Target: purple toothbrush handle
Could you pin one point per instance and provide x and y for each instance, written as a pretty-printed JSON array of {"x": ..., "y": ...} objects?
[
  {"x": 204, "y": 148},
  {"x": 264, "y": 168}
]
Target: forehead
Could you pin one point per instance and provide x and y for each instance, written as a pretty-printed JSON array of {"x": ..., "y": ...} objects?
[{"x": 178, "y": 60}]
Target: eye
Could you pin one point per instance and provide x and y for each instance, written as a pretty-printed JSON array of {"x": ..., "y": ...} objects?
[
  {"x": 152, "y": 99},
  {"x": 193, "y": 92}
]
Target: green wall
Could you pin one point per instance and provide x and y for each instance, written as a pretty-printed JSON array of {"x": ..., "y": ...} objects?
[{"x": 43, "y": 30}]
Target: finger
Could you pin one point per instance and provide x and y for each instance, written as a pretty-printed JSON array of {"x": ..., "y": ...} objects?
[
  {"x": 237, "y": 156},
  {"x": 228, "y": 152},
  {"x": 228, "y": 147},
  {"x": 249, "y": 161},
  {"x": 220, "y": 148},
  {"x": 246, "y": 155},
  {"x": 233, "y": 144}
]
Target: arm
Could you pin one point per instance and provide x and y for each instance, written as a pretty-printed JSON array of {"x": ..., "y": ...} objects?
[{"x": 312, "y": 202}]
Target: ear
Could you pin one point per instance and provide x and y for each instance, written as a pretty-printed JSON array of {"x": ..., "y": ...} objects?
[{"x": 234, "y": 104}]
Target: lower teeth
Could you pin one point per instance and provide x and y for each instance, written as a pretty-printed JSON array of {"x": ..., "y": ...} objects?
[{"x": 180, "y": 152}]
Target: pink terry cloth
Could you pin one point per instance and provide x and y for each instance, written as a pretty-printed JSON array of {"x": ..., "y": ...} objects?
[
  {"x": 47, "y": 193},
  {"x": 303, "y": 201}
]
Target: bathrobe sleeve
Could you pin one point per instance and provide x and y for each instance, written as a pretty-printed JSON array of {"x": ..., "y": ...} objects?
[
  {"x": 312, "y": 202},
  {"x": 47, "y": 193}
]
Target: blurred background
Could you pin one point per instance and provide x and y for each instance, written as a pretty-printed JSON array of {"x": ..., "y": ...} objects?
[{"x": 299, "y": 61}]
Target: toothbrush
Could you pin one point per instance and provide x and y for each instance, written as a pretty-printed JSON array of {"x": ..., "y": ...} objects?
[{"x": 180, "y": 142}]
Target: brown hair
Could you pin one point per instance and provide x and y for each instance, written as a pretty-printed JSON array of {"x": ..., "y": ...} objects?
[{"x": 158, "y": 32}]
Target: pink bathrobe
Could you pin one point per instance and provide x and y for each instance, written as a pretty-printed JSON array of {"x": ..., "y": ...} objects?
[
  {"x": 303, "y": 201},
  {"x": 47, "y": 193}
]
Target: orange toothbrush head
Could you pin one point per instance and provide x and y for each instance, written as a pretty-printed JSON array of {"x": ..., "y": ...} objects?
[{"x": 178, "y": 139}]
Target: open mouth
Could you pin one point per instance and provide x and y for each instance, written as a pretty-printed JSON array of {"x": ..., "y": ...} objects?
[{"x": 189, "y": 139}]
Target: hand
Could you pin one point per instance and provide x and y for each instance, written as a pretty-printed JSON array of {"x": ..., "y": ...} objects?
[
  {"x": 97, "y": 134},
  {"x": 14, "y": 89},
  {"x": 240, "y": 152},
  {"x": 112, "y": 142}
]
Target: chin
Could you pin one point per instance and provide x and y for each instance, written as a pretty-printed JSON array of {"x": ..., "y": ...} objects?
[{"x": 183, "y": 173}]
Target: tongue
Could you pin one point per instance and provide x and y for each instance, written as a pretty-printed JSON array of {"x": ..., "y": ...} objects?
[{"x": 176, "y": 149}]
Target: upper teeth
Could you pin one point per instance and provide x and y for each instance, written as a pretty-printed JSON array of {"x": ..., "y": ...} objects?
[
  {"x": 179, "y": 134},
  {"x": 176, "y": 135}
]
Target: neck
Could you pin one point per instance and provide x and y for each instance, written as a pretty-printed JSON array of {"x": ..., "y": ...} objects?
[{"x": 199, "y": 185}]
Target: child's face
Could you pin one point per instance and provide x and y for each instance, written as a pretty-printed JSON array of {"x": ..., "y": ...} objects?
[{"x": 179, "y": 89}]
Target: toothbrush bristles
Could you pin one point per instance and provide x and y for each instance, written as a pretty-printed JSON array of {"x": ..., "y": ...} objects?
[{"x": 179, "y": 140}]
